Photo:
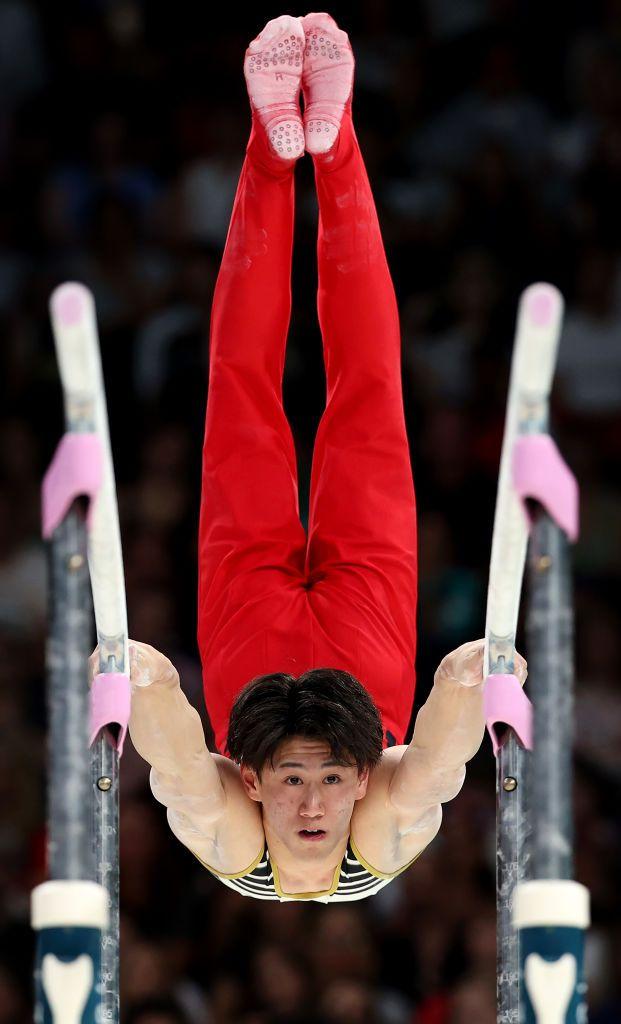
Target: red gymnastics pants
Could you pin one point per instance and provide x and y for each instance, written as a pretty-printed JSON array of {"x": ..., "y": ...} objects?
[{"x": 272, "y": 599}]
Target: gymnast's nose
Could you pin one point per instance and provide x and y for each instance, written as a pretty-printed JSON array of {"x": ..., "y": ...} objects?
[{"x": 311, "y": 806}]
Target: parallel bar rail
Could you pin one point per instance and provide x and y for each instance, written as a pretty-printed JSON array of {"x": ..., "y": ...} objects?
[
  {"x": 82, "y": 979},
  {"x": 77, "y": 345},
  {"x": 532, "y": 369}
]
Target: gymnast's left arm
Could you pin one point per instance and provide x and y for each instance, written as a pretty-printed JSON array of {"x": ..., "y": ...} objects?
[{"x": 448, "y": 732}]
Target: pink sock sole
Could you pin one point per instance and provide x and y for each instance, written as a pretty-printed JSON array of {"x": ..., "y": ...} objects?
[
  {"x": 273, "y": 72},
  {"x": 327, "y": 80}
]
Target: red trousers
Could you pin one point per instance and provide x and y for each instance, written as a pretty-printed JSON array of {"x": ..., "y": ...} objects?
[{"x": 271, "y": 598}]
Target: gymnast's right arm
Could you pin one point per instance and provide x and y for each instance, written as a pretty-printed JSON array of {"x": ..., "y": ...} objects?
[{"x": 167, "y": 732}]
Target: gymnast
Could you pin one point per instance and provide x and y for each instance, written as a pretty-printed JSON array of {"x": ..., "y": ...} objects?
[{"x": 307, "y": 641}]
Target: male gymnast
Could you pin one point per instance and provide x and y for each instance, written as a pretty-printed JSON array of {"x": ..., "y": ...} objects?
[{"x": 307, "y": 640}]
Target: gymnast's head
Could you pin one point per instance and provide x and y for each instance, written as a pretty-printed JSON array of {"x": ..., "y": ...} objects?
[{"x": 305, "y": 747}]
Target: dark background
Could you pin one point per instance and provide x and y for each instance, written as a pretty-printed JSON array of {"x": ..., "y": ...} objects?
[{"x": 492, "y": 134}]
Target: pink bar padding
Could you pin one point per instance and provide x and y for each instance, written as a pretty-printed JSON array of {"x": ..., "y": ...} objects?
[
  {"x": 541, "y": 304},
  {"x": 540, "y": 472},
  {"x": 504, "y": 701},
  {"x": 69, "y": 304},
  {"x": 110, "y": 705},
  {"x": 75, "y": 470}
]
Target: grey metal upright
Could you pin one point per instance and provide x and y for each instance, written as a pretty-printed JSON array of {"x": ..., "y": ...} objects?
[
  {"x": 549, "y": 637},
  {"x": 70, "y": 632},
  {"x": 551, "y": 911},
  {"x": 512, "y": 834},
  {"x": 105, "y": 780}
]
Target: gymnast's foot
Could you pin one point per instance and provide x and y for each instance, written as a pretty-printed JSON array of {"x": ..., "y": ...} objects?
[
  {"x": 273, "y": 73},
  {"x": 327, "y": 80}
]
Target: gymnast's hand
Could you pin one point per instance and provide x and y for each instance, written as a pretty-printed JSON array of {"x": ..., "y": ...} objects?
[
  {"x": 146, "y": 666},
  {"x": 465, "y": 665}
]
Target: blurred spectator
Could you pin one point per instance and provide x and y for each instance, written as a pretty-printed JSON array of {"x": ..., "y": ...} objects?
[
  {"x": 589, "y": 369},
  {"x": 280, "y": 984},
  {"x": 22, "y": 61},
  {"x": 474, "y": 999},
  {"x": 206, "y": 187},
  {"x": 13, "y": 1003},
  {"x": 498, "y": 108},
  {"x": 156, "y": 1011},
  {"x": 598, "y": 703}
]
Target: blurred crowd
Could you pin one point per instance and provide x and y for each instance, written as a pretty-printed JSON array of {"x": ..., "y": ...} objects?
[{"x": 492, "y": 135}]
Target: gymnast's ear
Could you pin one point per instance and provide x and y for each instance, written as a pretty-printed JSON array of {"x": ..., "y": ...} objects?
[
  {"x": 363, "y": 782},
  {"x": 251, "y": 782}
]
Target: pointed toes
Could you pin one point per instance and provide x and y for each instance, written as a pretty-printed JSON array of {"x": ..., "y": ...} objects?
[
  {"x": 277, "y": 28},
  {"x": 324, "y": 22}
]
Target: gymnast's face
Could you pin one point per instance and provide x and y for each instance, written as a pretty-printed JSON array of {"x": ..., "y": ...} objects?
[{"x": 307, "y": 797}]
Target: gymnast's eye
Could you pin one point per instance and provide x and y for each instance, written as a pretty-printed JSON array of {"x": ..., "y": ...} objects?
[
  {"x": 293, "y": 780},
  {"x": 332, "y": 779}
]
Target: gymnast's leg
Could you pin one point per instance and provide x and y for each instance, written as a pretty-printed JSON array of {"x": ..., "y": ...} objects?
[
  {"x": 362, "y": 529},
  {"x": 250, "y": 535}
]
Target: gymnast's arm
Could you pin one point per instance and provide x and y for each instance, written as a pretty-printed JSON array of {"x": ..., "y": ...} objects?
[
  {"x": 448, "y": 732},
  {"x": 167, "y": 732}
]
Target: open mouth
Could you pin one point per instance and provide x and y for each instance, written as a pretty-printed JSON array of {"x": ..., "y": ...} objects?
[{"x": 312, "y": 835}]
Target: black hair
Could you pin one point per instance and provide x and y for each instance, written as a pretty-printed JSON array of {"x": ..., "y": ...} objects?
[{"x": 324, "y": 703}]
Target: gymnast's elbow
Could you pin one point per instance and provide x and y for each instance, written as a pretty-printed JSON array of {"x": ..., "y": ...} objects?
[
  {"x": 429, "y": 787},
  {"x": 450, "y": 784}
]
